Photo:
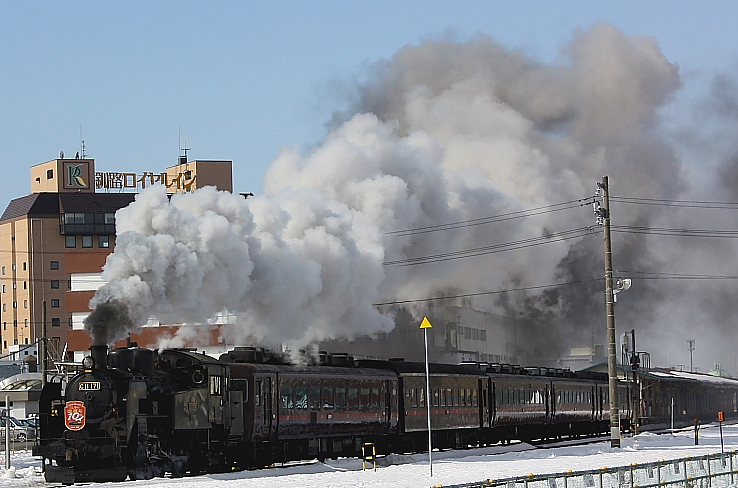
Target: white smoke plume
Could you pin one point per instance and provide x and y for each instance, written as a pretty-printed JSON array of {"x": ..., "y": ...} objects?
[{"x": 443, "y": 132}]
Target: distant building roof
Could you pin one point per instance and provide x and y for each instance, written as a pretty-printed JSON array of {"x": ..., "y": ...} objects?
[
  {"x": 53, "y": 204},
  {"x": 22, "y": 381}
]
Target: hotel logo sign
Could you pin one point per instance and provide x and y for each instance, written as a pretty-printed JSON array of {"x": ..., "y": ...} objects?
[{"x": 76, "y": 175}]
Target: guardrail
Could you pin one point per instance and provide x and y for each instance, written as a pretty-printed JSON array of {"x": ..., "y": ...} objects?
[{"x": 691, "y": 472}]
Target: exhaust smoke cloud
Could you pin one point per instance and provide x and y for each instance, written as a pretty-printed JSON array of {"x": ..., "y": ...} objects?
[{"x": 443, "y": 132}]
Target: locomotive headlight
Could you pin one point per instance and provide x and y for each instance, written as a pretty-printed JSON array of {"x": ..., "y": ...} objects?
[{"x": 88, "y": 362}]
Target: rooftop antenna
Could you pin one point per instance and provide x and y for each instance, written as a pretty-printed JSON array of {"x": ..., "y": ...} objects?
[
  {"x": 183, "y": 148},
  {"x": 81, "y": 142}
]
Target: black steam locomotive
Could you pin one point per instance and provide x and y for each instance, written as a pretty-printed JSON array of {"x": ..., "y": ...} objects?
[{"x": 138, "y": 413}]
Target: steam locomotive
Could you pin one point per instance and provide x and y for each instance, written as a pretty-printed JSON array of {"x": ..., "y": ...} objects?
[{"x": 137, "y": 413}]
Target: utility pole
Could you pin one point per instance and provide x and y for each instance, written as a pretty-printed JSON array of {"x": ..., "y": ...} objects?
[{"x": 603, "y": 214}]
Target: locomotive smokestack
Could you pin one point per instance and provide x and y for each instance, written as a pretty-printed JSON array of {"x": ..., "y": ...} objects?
[{"x": 100, "y": 355}]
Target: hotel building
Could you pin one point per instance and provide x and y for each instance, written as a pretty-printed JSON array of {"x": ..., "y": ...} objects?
[{"x": 54, "y": 243}]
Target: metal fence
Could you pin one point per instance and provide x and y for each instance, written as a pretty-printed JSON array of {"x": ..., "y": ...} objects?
[{"x": 716, "y": 470}]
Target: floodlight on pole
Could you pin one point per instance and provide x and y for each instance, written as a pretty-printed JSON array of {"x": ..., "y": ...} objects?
[
  {"x": 690, "y": 346},
  {"x": 425, "y": 325}
]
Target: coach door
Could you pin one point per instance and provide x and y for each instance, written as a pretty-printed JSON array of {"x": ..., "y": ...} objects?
[
  {"x": 268, "y": 408},
  {"x": 552, "y": 402},
  {"x": 486, "y": 406}
]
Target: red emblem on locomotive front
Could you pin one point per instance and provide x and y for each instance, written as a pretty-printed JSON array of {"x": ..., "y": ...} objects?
[{"x": 75, "y": 415}]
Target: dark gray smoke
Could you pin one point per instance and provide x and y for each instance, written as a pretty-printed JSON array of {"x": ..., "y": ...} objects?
[
  {"x": 445, "y": 131},
  {"x": 108, "y": 322}
]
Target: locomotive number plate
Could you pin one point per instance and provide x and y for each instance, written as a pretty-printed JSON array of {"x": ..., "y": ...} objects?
[{"x": 89, "y": 385}]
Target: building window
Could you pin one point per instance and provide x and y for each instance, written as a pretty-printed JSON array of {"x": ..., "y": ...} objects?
[
  {"x": 13, "y": 266},
  {"x": 54, "y": 303},
  {"x": 5, "y": 326},
  {"x": 86, "y": 241},
  {"x": 3, "y": 288},
  {"x": 5, "y": 307},
  {"x": 55, "y": 265},
  {"x": 55, "y": 322},
  {"x": 49, "y": 174},
  {"x": 15, "y": 304},
  {"x": 70, "y": 322},
  {"x": 55, "y": 283},
  {"x": 15, "y": 285},
  {"x": 3, "y": 269},
  {"x": 25, "y": 266},
  {"x": 25, "y": 303},
  {"x": 25, "y": 323},
  {"x": 104, "y": 241},
  {"x": 70, "y": 241},
  {"x": 25, "y": 285}
]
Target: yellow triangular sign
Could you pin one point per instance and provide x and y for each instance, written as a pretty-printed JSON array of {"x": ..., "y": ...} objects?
[{"x": 426, "y": 324}]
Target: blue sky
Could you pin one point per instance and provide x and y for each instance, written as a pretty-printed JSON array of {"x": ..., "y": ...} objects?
[{"x": 239, "y": 80}]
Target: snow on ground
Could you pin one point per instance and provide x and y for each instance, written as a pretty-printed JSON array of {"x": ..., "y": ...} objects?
[{"x": 408, "y": 471}]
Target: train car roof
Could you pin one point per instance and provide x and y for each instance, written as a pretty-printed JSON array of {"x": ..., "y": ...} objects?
[
  {"x": 403, "y": 367},
  {"x": 306, "y": 369},
  {"x": 672, "y": 375}
]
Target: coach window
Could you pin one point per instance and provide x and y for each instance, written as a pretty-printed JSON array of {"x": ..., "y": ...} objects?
[
  {"x": 70, "y": 241},
  {"x": 104, "y": 242},
  {"x": 285, "y": 394},
  {"x": 314, "y": 398},
  {"x": 353, "y": 398},
  {"x": 327, "y": 398},
  {"x": 436, "y": 397},
  {"x": 341, "y": 398},
  {"x": 364, "y": 398},
  {"x": 421, "y": 397},
  {"x": 301, "y": 401},
  {"x": 257, "y": 393},
  {"x": 410, "y": 399},
  {"x": 374, "y": 398}
]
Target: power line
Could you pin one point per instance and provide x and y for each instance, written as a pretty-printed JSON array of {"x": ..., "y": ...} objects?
[
  {"x": 482, "y": 293},
  {"x": 495, "y": 248},
  {"x": 677, "y": 232},
  {"x": 676, "y": 203},
  {"x": 677, "y": 276},
  {"x": 495, "y": 218}
]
